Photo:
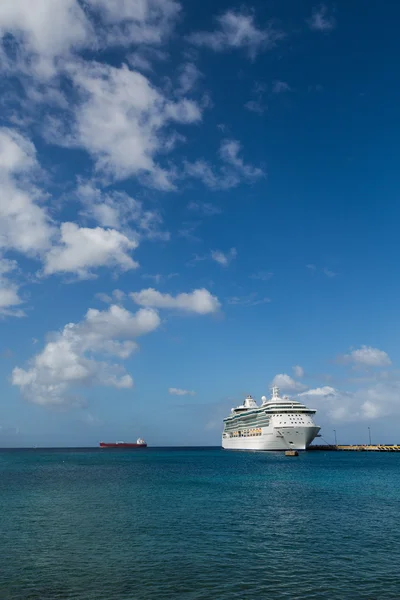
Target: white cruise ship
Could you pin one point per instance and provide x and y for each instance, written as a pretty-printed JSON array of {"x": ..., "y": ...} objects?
[{"x": 278, "y": 424}]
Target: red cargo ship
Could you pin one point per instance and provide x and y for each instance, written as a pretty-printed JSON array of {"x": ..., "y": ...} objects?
[{"x": 138, "y": 444}]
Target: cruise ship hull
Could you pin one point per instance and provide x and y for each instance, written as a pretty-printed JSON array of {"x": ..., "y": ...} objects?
[{"x": 273, "y": 438}]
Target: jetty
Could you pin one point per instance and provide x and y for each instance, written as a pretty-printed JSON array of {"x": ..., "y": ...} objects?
[{"x": 357, "y": 447}]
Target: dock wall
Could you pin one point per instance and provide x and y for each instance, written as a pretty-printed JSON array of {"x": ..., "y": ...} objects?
[{"x": 358, "y": 448}]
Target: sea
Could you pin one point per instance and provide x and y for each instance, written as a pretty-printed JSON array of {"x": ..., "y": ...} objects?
[{"x": 198, "y": 524}]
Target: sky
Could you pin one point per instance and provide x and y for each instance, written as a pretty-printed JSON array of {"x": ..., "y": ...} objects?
[{"x": 197, "y": 201}]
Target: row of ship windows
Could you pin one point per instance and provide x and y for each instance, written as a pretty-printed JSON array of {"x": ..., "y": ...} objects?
[
  {"x": 284, "y": 413},
  {"x": 247, "y": 432},
  {"x": 261, "y": 425}
]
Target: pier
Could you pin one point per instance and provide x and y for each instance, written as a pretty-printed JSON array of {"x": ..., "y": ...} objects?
[{"x": 358, "y": 447}]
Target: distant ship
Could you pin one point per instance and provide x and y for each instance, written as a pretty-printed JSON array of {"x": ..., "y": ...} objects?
[
  {"x": 278, "y": 424},
  {"x": 138, "y": 444}
]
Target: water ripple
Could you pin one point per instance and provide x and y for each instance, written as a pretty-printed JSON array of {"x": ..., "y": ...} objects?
[{"x": 198, "y": 525}]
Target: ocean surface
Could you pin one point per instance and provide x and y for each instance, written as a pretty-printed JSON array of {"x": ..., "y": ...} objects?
[{"x": 198, "y": 524}]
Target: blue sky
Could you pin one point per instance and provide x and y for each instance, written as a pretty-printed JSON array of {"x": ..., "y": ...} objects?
[{"x": 196, "y": 200}]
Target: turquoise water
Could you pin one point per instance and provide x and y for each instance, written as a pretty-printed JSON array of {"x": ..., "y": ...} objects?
[{"x": 197, "y": 524}]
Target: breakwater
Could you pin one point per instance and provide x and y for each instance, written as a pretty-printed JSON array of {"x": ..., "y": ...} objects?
[{"x": 358, "y": 447}]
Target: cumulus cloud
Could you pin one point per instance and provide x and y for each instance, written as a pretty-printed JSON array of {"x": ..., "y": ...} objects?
[
  {"x": 122, "y": 121},
  {"x": 230, "y": 174},
  {"x": 199, "y": 301},
  {"x": 118, "y": 210},
  {"x": 365, "y": 404},
  {"x": 321, "y": 392},
  {"x": 298, "y": 371},
  {"x": 82, "y": 249},
  {"x": 237, "y": 30},
  {"x": 286, "y": 383},
  {"x": 116, "y": 296},
  {"x": 44, "y": 33},
  {"x": 224, "y": 259},
  {"x": 9, "y": 290},
  {"x": 368, "y": 357},
  {"x": 201, "y": 169},
  {"x": 144, "y": 22},
  {"x": 180, "y": 392},
  {"x": 57, "y": 29},
  {"x": 321, "y": 20},
  {"x": 24, "y": 223},
  {"x": 75, "y": 357}
]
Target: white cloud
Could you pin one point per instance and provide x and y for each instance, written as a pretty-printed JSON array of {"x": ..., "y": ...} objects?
[
  {"x": 364, "y": 404},
  {"x": 180, "y": 392},
  {"x": 120, "y": 211},
  {"x": 321, "y": 20},
  {"x": 82, "y": 249},
  {"x": 368, "y": 356},
  {"x": 229, "y": 153},
  {"x": 298, "y": 371},
  {"x": 116, "y": 296},
  {"x": 199, "y": 301},
  {"x": 123, "y": 121},
  {"x": 286, "y": 383},
  {"x": 144, "y": 56},
  {"x": 322, "y": 392},
  {"x": 17, "y": 154},
  {"x": 188, "y": 78},
  {"x": 136, "y": 22},
  {"x": 230, "y": 174},
  {"x": 280, "y": 86},
  {"x": 9, "y": 290},
  {"x": 224, "y": 259},
  {"x": 237, "y": 30},
  {"x": 24, "y": 224},
  {"x": 70, "y": 358},
  {"x": 44, "y": 32},
  {"x": 56, "y": 29},
  {"x": 201, "y": 169}
]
